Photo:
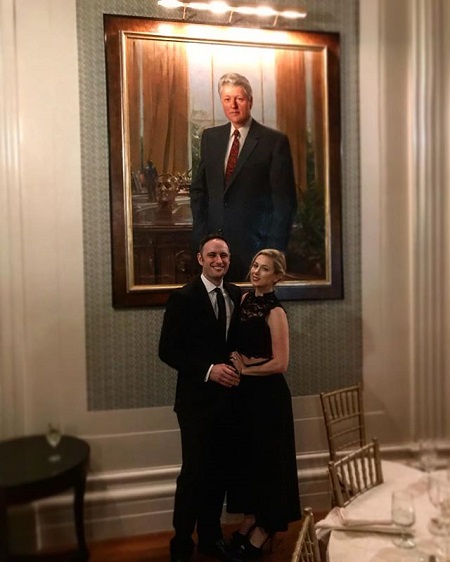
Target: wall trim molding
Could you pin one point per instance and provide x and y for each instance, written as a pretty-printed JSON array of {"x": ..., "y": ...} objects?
[{"x": 133, "y": 502}]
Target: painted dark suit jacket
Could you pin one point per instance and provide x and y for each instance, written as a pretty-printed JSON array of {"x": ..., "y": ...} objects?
[
  {"x": 256, "y": 209},
  {"x": 190, "y": 342}
]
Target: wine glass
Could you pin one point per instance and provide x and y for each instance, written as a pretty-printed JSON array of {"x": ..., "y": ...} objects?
[
  {"x": 53, "y": 437},
  {"x": 403, "y": 515},
  {"x": 428, "y": 454},
  {"x": 444, "y": 516},
  {"x": 434, "y": 493}
]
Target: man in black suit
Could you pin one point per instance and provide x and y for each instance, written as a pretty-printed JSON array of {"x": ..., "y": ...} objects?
[
  {"x": 244, "y": 188},
  {"x": 197, "y": 336}
]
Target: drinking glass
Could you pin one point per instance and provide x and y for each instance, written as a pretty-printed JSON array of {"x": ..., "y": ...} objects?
[
  {"x": 403, "y": 515},
  {"x": 428, "y": 454},
  {"x": 53, "y": 437},
  {"x": 435, "y": 481},
  {"x": 444, "y": 515}
]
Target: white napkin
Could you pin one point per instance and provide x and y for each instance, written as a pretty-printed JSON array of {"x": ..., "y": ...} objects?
[{"x": 339, "y": 520}]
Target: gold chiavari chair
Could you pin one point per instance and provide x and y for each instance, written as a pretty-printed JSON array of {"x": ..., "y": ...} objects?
[
  {"x": 355, "y": 473},
  {"x": 307, "y": 546},
  {"x": 343, "y": 414}
]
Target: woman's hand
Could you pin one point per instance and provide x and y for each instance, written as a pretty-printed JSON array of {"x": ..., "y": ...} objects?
[{"x": 237, "y": 361}]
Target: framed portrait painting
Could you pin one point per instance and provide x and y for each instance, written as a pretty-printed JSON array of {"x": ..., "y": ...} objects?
[{"x": 162, "y": 81}]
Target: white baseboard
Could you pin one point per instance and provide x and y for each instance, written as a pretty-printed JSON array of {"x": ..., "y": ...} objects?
[{"x": 137, "y": 502}]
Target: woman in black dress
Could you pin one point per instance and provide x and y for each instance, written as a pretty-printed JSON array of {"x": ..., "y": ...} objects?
[{"x": 268, "y": 493}]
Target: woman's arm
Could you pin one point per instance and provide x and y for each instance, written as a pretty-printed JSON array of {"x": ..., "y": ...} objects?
[{"x": 279, "y": 333}]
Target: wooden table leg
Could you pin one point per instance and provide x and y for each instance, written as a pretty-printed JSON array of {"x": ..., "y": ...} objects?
[
  {"x": 78, "y": 510},
  {"x": 3, "y": 530}
]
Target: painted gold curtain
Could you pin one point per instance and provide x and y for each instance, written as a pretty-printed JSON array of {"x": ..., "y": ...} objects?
[
  {"x": 291, "y": 107},
  {"x": 158, "y": 94},
  {"x": 134, "y": 73},
  {"x": 301, "y": 81},
  {"x": 318, "y": 127}
]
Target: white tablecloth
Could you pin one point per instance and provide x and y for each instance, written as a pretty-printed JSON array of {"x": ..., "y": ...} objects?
[{"x": 375, "y": 505}]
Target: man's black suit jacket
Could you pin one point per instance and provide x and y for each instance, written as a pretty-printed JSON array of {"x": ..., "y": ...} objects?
[
  {"x": 255, "y": 210},
  {"x": 191, "y": 341}
]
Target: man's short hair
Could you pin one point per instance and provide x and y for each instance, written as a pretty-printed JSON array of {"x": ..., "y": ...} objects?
[
  {"x": 235, "y": 79},
  {"x": 209, "y": 237}
]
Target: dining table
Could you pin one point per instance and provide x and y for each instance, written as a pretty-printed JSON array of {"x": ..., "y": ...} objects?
[{"x": 363, "y": 530}]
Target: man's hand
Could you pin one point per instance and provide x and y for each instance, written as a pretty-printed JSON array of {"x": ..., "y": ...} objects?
[{"x": 224, "y": 374}]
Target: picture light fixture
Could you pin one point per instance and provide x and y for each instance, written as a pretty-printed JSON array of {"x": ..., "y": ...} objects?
[{"x": 220, "y": 7}]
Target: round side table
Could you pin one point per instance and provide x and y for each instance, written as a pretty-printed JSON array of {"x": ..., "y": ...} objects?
[{"x": 28, "y": 474}]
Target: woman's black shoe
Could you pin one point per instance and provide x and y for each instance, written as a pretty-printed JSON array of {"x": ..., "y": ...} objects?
[
  {"x": 249, "y": 552},
  {"x": 238, "y": 538},
  {"x": 215, "y": 549},
  {"x": 231, "y": 554}
]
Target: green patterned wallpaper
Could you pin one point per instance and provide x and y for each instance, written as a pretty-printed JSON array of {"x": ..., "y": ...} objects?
[{"x": 123, "y": 368}]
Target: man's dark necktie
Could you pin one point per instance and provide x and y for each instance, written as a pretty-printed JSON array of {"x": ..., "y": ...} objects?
[
  {"x": 233, "y": 157},
  {"x": 222, "y": 315}
]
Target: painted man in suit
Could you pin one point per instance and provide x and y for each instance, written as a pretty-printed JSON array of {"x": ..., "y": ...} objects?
[
  {"x": 244, "y": 188},
  {"x": 194, "y": 343}
]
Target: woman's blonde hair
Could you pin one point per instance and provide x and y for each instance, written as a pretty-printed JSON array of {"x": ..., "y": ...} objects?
[{"x": 278, "y": 260}]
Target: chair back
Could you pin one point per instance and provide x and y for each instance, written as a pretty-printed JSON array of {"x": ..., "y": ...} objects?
[
  {"x": 307, "y": 546},
  {"x": 343, "y": 413},
  {"x": 355, "y": 473}
]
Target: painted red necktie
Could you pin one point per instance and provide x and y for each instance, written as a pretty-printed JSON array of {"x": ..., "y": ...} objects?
[{"x": 233, "y": 157}]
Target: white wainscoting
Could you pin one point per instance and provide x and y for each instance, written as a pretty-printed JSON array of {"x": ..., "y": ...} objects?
[{"x": 134, "y": 501}]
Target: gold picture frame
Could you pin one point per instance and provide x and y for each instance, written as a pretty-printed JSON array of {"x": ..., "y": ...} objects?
[{"x": 162, "y": 92}]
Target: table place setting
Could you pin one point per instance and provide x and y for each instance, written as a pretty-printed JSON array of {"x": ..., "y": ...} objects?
[
  {"x": 394, "y": 521},
  {"x": 338, "y": 519}
]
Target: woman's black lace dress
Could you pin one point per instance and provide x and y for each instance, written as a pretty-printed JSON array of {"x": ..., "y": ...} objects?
[{"x": 269, "y": 487}]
